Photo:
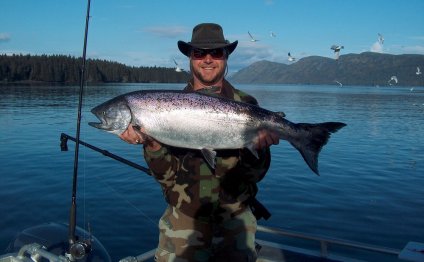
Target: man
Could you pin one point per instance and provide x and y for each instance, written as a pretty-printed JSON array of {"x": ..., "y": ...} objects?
[{"x": 208, "y": 216}]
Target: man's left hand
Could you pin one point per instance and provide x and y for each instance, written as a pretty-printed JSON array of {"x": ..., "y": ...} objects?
[{"x": 267, "y": 138}]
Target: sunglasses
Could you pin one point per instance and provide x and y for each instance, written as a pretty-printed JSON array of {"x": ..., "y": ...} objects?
[{"x": 218, "y": 53}]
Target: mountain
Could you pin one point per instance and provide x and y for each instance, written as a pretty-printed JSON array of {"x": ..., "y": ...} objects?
[{"x": 368, "y": 69}]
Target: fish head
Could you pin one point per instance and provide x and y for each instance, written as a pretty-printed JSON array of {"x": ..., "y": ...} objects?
[{"x": 114, "y": 115}]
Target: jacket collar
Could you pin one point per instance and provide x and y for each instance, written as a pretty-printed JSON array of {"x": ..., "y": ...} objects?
[{"x": 227, "y": 89}]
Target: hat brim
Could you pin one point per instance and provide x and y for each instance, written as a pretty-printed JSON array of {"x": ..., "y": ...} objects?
[{"x": 185, "y": 48}]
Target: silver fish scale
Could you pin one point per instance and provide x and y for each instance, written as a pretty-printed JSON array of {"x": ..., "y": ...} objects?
[{"x": 194, "y": 120}]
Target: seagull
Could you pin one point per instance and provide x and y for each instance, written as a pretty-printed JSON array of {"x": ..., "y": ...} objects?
[
  {"x": 418, "y": 71},
  {"x": 380, "y": 39},
  {"x": 251, "y": 37},
  {"x": 340, "y": 84},
  {"x": 290, "y": 58},
  {"x": 337, "y": 49},
  {"x": 177, "y": 69},
  {"x": 393, "y": 78},
  {"x": 272, "y": 34}
]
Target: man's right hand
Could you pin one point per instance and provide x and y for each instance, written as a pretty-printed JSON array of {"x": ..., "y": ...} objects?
[{"x": 133, "y": 136}]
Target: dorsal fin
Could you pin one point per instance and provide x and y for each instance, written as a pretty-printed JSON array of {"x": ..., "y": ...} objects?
[{"x": 209, "y": 155}]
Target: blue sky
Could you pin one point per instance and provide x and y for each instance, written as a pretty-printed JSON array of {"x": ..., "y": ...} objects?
[{"x": 145, "y": 33}]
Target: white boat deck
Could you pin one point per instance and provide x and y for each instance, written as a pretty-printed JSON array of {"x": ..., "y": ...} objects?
[
  {"x": 316, "y": 248},
  {"x": 281, "y": 245}
]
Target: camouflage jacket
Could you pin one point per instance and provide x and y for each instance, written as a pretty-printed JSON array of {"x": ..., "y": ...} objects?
[{"x": 189, "y": 184}]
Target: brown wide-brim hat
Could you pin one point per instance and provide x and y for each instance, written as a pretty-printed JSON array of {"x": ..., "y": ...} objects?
[{"x": 207, "y": 36}]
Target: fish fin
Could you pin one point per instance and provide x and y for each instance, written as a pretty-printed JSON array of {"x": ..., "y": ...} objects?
[
  {"x": 314, "y": 138},
  {"x": 252, "y": 149},
  {"x": 209, "y": 156}
]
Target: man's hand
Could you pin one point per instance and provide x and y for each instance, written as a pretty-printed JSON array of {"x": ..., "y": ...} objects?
[
  {"x": 137, "y": 136},
  {"x": 267, "y": 138},
  {"x": 132, "y": 136}
]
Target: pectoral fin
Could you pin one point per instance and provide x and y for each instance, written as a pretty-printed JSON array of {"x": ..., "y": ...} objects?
[
  {"x": 252, "y": 149},
  {"x": 209, "y": 156}
]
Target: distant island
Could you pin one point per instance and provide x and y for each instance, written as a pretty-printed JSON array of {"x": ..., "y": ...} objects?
[{"x": 367, "y": 69}]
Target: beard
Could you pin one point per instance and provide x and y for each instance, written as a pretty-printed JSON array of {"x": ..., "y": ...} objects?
[{"x": 208, "y": 79}]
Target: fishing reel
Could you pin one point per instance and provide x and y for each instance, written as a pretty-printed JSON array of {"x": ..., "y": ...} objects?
[
  {"x": 79, "y": 249},
  {"x": 52, "y": 240}
]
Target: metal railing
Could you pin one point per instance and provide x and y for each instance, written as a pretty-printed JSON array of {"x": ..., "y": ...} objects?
[{"x": 326, "y": 241}]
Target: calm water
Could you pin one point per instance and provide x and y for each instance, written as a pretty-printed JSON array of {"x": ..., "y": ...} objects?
[{"x": 370, "y": 188}]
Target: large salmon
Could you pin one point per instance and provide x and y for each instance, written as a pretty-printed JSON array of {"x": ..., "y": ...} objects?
[{"x": 208, "y": 123}]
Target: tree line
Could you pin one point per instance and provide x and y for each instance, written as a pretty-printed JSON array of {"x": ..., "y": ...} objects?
[{"x": 67, "y": 69}]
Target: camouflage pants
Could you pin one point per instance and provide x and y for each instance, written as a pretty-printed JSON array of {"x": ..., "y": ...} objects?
[{"x": 182, "y": 238}]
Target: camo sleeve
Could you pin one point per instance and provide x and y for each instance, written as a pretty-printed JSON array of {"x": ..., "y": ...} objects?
[
  {"x": 162, "y": 165},
  {"x": 254, "y": 168}
]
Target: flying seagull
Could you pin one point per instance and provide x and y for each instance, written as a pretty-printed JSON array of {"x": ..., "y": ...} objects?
[
  {"x": 290, "y": 58},
  {"x": 380, "y": 39},
  {"x": 251, "y": 37},
  {"x": 418, "y": 71},
  {"x": 394, "y": 79},
  {"x": 177, "y": 69},
  {"x": 337, "y": 49},
  {"x": 340, "y": 84},
  {"x": 272, "y": 34}
]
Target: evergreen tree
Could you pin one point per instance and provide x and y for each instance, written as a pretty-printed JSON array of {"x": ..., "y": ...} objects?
[{"x": 67, "y": 69}]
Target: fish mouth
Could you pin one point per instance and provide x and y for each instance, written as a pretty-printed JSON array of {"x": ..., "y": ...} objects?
[
  {"x": 100, "y": 125},
  {"x": 96, "y": 124},
  {"x": 103, "y": 126}
]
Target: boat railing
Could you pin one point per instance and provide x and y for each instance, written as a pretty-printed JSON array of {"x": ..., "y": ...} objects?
[
  {"x": 33, "y": 252},
  {"x": 323, "y": 254},
  {"x": 325, "y": 242}
]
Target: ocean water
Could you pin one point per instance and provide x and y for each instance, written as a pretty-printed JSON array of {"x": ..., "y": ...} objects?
[{"x": 370, "y": 187}]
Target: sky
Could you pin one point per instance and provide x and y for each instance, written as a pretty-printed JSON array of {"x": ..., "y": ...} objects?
[{"x": 145, "y": 33}]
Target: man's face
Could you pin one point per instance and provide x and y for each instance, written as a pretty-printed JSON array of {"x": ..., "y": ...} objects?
[{"x": 208, "y": 65}]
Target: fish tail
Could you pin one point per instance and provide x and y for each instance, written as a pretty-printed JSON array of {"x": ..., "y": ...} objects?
[{"x": 311, "y": 140}]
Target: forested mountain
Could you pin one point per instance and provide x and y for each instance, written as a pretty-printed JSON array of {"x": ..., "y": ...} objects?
[
  {"x": 66, "y": 69},
  {"x": 367, "y": 69}
]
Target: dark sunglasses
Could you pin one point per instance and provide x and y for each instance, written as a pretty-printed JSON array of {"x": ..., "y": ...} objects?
[{"x": 218, "y": 53}]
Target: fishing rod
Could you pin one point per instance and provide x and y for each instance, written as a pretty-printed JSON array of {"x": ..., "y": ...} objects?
[
  {"x": 78, "y": 249},
  {"x": 64, "y": 147},
  {"x": 258, "y": 209}
]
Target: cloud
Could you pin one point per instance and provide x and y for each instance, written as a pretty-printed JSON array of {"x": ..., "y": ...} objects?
[
  {"x": 4, "y": 37},
  {"x": 419, "y": 38},
  {"x": 417, "y": 49},
  {"x": 166, "y": 31},
  {"x": 248, "y": 53},
  {"x": 377, "y": 47}
]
